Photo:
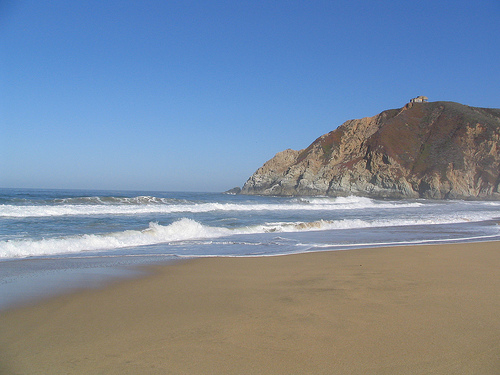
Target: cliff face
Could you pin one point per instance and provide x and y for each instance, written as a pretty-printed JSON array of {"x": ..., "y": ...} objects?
[{"x": 435, "y": 150}]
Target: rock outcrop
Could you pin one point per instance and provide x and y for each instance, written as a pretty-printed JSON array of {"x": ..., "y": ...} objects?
[
  {"x": 233, "y": 191},
  {"x": 440, "y": 150}
]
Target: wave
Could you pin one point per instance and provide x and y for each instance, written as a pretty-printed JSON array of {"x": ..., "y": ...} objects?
[
  {"x": 139, "y": 200},
  {"x": 351, "y": 200},
  {"x": 189, "y": 230},
  {"x": 180, "y": 230},
  {"x": 98, "y": 200},
  {"x": 154, "y": 205}
]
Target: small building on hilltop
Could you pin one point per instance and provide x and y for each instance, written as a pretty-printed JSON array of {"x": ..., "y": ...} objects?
[{"x": 419, "y": 99}]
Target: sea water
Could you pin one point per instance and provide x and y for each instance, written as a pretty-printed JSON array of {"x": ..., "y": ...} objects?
[{"x": 53, "y": 240}]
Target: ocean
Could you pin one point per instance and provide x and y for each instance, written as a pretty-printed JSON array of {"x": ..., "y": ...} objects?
[{"x": 52, "y": 241}]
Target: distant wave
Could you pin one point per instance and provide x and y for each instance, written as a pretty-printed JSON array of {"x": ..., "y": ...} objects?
[
  {"x": 188, "y": 230},
  {"x": 99, "y": 200},
  {"x": 139, "y": 200},
  {"x": 149, "y": 205}
]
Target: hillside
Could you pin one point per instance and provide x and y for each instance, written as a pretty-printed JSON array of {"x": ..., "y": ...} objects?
[{"x": 440, "y": 150}]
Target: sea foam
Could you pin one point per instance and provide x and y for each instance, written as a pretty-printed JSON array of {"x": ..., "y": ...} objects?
[
  {"x": 92, "y": 206},
  {"x": 180, "y": 230},
  {"x": 187, "y": 229}
]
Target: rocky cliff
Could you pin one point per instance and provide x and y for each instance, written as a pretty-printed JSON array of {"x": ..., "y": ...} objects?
[{"x": 440, "y": 150}]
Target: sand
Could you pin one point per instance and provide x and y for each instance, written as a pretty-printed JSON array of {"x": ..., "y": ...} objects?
[{"x": 399, "y": 310}]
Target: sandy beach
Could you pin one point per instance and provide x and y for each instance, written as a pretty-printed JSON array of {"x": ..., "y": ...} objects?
[{"x": 398, "y": 310}]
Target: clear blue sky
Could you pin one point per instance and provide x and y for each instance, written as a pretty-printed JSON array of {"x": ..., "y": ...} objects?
[{"x": 196, "y": 95}]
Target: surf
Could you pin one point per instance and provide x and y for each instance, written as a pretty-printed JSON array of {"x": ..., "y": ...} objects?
[
  {"x": 92, "y": 206},
  {"x": 186, "y": 229}
]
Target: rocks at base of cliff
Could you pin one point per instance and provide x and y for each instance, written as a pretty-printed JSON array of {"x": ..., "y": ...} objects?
[
  {"x": 438, "y": 150},
  {"x": 233, "y": 191}
]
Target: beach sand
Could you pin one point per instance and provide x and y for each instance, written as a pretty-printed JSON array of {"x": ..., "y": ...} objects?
[{"x": 400, "y": 310}]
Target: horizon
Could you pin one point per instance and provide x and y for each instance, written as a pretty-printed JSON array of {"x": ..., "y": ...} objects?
[{"x": 196, "y": 96}]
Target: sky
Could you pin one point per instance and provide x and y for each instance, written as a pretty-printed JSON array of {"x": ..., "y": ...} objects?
[{"x": 196, "y": 95}]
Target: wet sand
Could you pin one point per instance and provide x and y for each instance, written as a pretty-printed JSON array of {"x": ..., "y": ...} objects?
[{"x": 399, "y": 310}]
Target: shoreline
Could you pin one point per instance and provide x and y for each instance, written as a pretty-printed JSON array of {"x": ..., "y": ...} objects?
[
  {"x": 391, "y": 310},
  {"x": 38, "y": 284}
]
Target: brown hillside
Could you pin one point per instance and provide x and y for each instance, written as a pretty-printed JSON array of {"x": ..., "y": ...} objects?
[{"x": 431, "y": 150}]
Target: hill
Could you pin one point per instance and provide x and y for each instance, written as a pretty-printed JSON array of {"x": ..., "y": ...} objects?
[{"x": 440, "y": 150}]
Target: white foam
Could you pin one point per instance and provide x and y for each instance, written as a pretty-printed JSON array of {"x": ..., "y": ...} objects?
[
  {"x": 152, "y": 205},
  {"x": 485, "y": 237},
  {"x": 139, "y": 200},
  {"x": 180, "y": 230},
  {"x": 190, "y": 230}
]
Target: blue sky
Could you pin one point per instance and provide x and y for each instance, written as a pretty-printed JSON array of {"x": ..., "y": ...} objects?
[{"x": 196, "y": 95}]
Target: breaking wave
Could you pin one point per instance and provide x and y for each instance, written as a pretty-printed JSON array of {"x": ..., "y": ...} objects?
[
  {"x": 139, "y": 200},
  {"x": 187, "y": 230},
  {"x": 153, "y": 205}
]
